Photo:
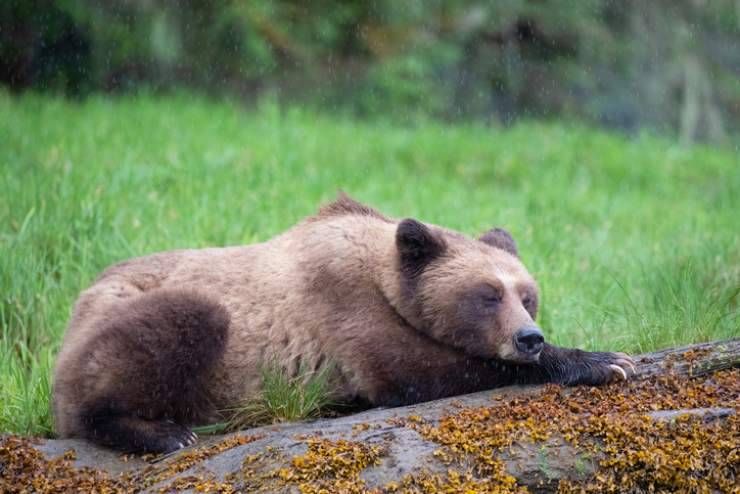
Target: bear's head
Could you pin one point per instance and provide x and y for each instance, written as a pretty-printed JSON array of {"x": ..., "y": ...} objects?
[{"x": 474, "y": 295}]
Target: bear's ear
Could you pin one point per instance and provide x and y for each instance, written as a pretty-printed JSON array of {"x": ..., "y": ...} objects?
[
  {"x": 417, "y": 245},
  {"x": 501, "y": 239}
]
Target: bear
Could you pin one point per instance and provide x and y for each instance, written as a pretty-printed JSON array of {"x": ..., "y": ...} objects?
[{"x": 399, "y": 311}]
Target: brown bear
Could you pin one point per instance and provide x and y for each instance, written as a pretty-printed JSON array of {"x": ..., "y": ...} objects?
[{"x": 400, "y": 311}]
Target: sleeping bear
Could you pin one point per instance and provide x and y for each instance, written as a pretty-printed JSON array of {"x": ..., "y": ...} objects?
[{"x": 399, "y": 311}]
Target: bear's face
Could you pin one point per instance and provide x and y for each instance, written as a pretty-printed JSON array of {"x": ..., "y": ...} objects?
[{"x": 474, "y": 295}]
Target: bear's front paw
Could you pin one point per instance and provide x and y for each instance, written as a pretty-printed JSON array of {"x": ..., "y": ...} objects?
[{"x": 594, "y": 368}]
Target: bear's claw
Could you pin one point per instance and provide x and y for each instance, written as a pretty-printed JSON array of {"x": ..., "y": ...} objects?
[
  {"x": 622, "y": 365},
  {"x": 169, "y": 437},
  {"x": 619, "y": 370}
]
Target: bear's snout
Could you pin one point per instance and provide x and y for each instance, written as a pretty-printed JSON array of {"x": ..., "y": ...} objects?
[{"x": 529, "y": 340}]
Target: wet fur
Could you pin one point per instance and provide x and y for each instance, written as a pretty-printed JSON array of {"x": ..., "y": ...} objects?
[
  {"x": 163, "y": 342},
  {"x": 146, "y": 370}
]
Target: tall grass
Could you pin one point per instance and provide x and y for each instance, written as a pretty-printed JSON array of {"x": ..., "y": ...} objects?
[
  {"x": 635, "y": 241},
  {"x": 283, "y": 397}
]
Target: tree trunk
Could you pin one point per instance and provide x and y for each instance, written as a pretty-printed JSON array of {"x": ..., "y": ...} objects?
[{"x": 691, "y": 361}]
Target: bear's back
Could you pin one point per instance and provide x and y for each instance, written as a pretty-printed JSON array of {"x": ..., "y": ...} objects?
[{"x": 292, "y": 300}]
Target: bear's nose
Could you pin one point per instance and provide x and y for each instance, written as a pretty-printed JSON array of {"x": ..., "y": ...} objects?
[{"x": 529, "y": 340}]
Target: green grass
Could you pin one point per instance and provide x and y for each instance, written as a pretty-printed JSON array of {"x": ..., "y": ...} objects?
[
  {"x": 635, "y": 242},
  {"x": 282, "y": 398}
]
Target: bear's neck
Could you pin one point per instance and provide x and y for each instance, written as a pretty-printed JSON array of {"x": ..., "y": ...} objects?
[
  {"x": 379, "y": 255},
  {"x": 350, "y": 248}
]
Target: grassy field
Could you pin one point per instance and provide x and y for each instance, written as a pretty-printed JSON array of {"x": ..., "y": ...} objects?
[{"x": 635, "y": 242}]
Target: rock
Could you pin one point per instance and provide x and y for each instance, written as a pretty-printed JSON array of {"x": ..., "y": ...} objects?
[{"x": 535, "y": 437}]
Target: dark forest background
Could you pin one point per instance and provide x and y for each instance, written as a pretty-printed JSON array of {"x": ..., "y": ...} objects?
[{"x": 668, "y": 65}]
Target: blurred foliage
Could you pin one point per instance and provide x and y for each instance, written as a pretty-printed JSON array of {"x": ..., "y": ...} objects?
[{"x": 666, "y": 64}]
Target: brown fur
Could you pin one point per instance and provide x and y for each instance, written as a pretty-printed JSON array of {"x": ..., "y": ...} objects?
[
  {"x": 402, "y": 311},
  {"x": 345, "y": 205}
]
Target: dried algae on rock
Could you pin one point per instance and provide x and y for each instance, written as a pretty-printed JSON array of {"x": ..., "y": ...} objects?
[{"x": 650, "y": 435}]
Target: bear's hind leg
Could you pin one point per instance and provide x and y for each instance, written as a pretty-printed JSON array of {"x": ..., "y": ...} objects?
[
  {"x": 148, "y": 370},
  {"x": 131, "y": 434}
]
